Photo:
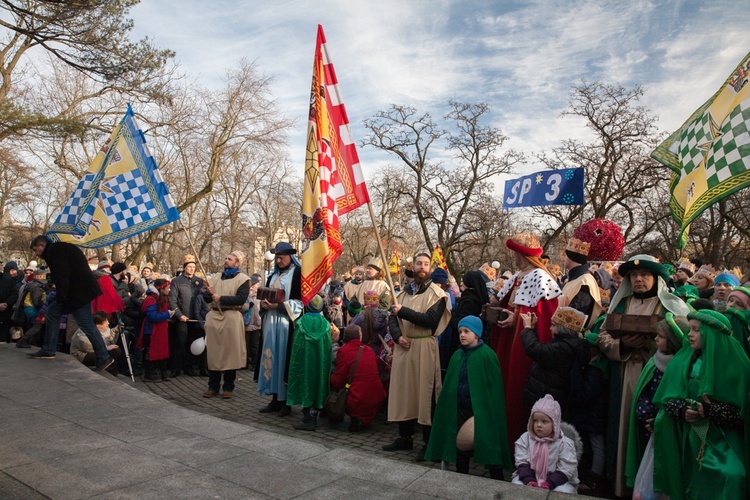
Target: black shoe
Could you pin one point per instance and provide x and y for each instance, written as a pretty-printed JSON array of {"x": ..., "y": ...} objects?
[
  {"x": 23, "y": 345},
  {"x": 309, "y": 424},
  {"x": 285, "y": 410},
  {"x": 175, "y": 373},
  {"x": 355, "y": 424},
  {"x": 203, "y": 373},
  {"x": 402, "y": 443},
  {"x": 271, "y": 407},
  {"x": 41, "y": 355},
  {"x": 189, "y": 372},
  {"x": 165, "y": 375},
  {"x": 151, "y": 378},
  {"x": 420, "y": 454}
]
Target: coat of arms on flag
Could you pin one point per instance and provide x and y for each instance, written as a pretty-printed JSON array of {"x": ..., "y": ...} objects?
[
  {"x": 437, "y": 259},
  {"x": 122, "y": 193},
  {"x": 333, "y": 181},
  {"x": 710, "y": 154}
]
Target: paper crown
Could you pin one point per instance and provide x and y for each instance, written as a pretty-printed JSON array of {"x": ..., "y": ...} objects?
[
  {"x": 605, "y": 295},
  {"x": 578, "y": 246},
  {"x": 684, "y": 263},
  {"x": 187, "y": 259},
  {"x": 569, "y": 318},
  {"x": 707, "y": 271},
  {"x": 376, "y": 263},
  {"x": 149, "y": 265},
  {"x": 526, "y": 244},
  {"x": 488, "y": 271}
]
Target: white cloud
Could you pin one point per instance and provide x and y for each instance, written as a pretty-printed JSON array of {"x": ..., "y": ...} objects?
[{"x": 522, "y": 58}]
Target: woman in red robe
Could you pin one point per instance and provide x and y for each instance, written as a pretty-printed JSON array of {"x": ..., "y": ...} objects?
[
  {"x": 366, "y": 394},
  {"x": 531, "y": 289},
  {"x": 154, "y": 337}
]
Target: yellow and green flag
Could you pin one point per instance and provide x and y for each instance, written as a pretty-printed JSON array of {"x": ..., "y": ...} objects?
[{"x": 710, "y": 154}]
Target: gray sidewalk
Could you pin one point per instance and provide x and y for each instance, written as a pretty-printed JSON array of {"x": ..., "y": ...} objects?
[{"x": 68, "y": 432}]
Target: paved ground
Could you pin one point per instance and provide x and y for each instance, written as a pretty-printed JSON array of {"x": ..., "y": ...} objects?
[{"x": 71, "y": 433}]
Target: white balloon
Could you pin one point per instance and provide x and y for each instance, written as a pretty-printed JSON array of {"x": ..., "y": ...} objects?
[
  {"x": 495, "y": 264},
  {"x": 198, "y": 346},
  {"x": 409, "y": 259},
  {"x": 269, "y": 256}
]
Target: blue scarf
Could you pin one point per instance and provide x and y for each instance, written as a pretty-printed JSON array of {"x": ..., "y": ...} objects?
[{"x": 229, "y": 273}]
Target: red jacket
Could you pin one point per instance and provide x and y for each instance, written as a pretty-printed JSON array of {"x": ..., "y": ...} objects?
[
  {"x": 366, "y": 395},
  {"x": 156, "y": 324},
  {"x": 108, "y": 301}
]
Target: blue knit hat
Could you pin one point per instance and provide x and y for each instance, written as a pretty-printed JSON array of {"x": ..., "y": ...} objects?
[
  {"x": 727, "y": 278},
  {"x": 472, "y": 323},
  {"x": 439, "y": 276}
]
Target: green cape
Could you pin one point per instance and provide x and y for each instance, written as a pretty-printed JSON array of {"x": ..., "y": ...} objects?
[
  {"x": 724, "y": 376},
  {"x": 310, "y": 363},
  {"x": 740, "y": 319},
  {"x": 636, "y": 436},
  {"x": 488, "y": 403}
]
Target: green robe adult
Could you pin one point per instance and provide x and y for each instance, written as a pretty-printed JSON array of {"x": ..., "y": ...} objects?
[
  {"x": 488, "y": 404},
  {"x": 310, "y": 363},
  {"x": 683, "y": 468},
  {"x": 740, "y": 320}
]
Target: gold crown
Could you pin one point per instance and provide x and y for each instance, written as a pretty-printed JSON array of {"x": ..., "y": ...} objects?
[
  {"x": 188, "y": 258},
  {"x": 684, "y": 263},
  {"x": 527, "y": 240},
  {"x": 569, "y": 318},
  {"x": 707, "y": 271},
  {"x": 604, "y": 295},
  {"x": 488, "y": 271},
  {"x": 577, "y": 246}
]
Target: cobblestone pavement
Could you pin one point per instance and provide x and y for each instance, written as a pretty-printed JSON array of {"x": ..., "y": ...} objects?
[{"x": 245, "y": 403}]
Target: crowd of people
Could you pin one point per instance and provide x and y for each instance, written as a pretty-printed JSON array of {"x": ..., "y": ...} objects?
[{"x": 623, "y": 379}]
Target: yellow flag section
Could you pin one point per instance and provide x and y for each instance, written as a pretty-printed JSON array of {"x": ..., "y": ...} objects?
[
  {"x": 394, "y": 266},
  {"x": 437, "y": 258},
  {"x": 710, "y": 154}
]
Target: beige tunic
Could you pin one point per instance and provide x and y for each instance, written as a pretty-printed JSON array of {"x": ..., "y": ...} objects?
[
  {"x": 632, "y": 363},
  {"x": 415, "y": 373},
  {"x": 380, "y": 286},
  {"x": 571, "y": 289},
  {"x": 225, "y": 329}
]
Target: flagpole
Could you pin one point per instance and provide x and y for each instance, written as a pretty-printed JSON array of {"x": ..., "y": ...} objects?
[
  {"x": 197, "y": 257},
  {"x": 382, "y": 252}
]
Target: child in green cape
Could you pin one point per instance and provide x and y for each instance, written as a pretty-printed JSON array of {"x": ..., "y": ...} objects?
[
  {"x": 699, "y": 450},
  {"x": 472, "y": 393}
]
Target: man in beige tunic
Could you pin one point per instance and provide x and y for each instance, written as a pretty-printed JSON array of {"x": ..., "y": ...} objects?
[
  {"x": 643, "y": 292},
  {"x": 375, "y": 280},
  {"x": 226, "y": 351},
  {"x": 420, "y": 313}
]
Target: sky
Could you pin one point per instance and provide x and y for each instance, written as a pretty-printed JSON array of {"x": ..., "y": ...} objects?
[{"x": 520, "y": 57}]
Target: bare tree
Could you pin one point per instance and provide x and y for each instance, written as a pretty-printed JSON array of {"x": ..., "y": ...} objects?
[
  {"x": 618, "y": 169},
  {"x": 443, "y": 196}
]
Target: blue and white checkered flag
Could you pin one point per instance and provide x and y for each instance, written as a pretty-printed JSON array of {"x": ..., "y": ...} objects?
[{"x": 122, "y": 194}]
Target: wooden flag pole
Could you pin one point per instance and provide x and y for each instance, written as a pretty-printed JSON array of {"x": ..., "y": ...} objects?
[
  {"x": 192, "y": 247},
  {"x": 382, "y": 252}
]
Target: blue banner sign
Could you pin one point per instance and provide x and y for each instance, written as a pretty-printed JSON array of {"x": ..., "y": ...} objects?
[{"x": 548, "y": 187}]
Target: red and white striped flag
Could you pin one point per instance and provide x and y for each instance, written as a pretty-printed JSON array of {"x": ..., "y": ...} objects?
[{"x": 333, "y": 182}]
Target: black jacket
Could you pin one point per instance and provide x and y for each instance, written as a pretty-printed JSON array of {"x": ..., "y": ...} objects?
[
  {"x": 76, "y": 284},
  {"x": 551, "y": 367}
]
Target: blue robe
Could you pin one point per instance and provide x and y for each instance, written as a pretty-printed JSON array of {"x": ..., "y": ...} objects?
[{"x": 277, "y": 328}]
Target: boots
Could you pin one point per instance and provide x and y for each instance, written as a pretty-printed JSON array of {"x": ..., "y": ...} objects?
[
  {"x": 309, "y": 420},
  {"x": 164, "y": 371},
  {"x": 149, "y": 371},
  {"x": 272, "y": 407}
]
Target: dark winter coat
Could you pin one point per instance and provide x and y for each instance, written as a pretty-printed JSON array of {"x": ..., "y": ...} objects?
[
  {"x": 9, "y": 289},
  {"x": 183, "y": 291},
  {"x": 551, "y": 367},
  {"x": 76, "y": 284}
]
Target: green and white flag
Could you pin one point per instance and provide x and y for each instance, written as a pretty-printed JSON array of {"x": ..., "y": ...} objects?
[{"x": 710, "y": 154}]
